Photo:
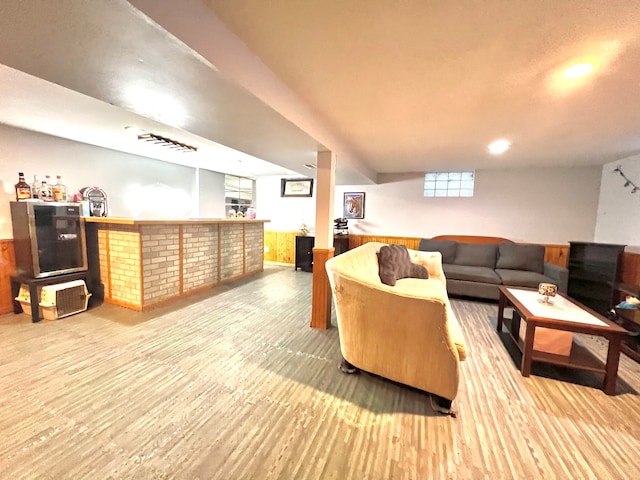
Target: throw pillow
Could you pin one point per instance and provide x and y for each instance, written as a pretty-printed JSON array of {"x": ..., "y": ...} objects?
[
  {"x": 394, "y": 263},
  {"x": 513, "y": 256}
]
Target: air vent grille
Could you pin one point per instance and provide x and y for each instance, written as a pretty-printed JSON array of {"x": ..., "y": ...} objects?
[{"x": 167, "y": 142}]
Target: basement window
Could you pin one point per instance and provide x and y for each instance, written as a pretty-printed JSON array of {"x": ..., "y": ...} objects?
[{"x": 449, "y": 184}]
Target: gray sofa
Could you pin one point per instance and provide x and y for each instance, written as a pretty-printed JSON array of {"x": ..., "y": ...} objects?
[{"x": 477, "y": 269}]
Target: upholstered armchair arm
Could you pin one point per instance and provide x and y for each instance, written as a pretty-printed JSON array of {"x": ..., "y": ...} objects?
[{"x": 560, "y": 275}]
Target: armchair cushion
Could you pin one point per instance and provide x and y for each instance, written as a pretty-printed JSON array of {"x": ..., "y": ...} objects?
[{"x": 394, "y": 263}]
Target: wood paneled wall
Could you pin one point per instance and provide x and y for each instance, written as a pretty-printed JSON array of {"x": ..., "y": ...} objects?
[
  {"x": 282, "y": 246},
  {"x": 281, "y": 249},
  {"x": 7, "y": 268},
  {"x": 630, "y": 269}
]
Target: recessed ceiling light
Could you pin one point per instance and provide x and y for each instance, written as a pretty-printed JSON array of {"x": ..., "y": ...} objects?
[
  {"x": 134, "y": 130},
  {"x": 499, "y": 146},
  {"x": 578, "y": 70}
]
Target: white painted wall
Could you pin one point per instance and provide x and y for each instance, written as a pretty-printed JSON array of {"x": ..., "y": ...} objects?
[
  {"x": 618, "y": 219},
  {"x": 136, "y": 186},
  {"x": 507, "y": 203},
  {"x": 211, "y": 201},
  {"x": 284, "y": 213}
]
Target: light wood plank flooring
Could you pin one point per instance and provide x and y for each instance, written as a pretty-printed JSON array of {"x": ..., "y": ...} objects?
[{"x": 235, "y": 385}]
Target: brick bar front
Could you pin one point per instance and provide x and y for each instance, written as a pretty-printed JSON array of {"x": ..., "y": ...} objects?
[{"x": 140, "y": 264}]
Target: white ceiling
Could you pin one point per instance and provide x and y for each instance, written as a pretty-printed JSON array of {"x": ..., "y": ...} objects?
[{"x": 400, "y": 86}]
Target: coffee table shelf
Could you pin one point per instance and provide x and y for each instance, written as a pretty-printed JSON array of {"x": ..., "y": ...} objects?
[
  {"x": 580, "y": 357},
  {"x": 568, "y": 316}
]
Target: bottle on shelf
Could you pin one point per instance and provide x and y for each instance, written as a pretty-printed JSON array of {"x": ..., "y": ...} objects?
[
  {"x": 23, "y": 189},
  {"x": 59, "y": 191},
  {"x": 45, "y": 193},
  {"x": 35, "y": 187}
]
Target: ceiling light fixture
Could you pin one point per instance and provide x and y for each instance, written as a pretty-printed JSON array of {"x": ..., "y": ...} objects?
[
  {"x": 134, "y": 130},
  {"x": 578, "y": 70},
  {"x": 167, "y": 142},
  {"x": 310, "y": 166},
  {"x": 499, "y": 147}
]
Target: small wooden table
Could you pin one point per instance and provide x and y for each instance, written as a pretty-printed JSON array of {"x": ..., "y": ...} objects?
[{"x": 563, "y": 314}]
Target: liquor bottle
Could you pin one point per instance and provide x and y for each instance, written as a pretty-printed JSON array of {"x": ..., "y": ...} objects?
[
  {"x": 35, "y": 187},
  {"x": 45, "y": 193},
  {"x": 59, "y": 191},
  {"x": 23, "y": 190}
]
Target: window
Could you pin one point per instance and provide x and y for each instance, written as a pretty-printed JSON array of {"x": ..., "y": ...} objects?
[
  {"x": 238, "y": 193},
  {"x": 449, "y": 184}
]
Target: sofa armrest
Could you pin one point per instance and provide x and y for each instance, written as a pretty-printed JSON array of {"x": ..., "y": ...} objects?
[{"x": 560, "y": 275}]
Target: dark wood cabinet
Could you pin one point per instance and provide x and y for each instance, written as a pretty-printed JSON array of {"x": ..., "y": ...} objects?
[
  {"x": 304, "y": 250},
  {"x": 593, "y": 269}
]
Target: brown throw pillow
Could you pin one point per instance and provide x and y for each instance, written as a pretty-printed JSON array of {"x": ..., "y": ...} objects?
[{"x": 394, "y": 263}]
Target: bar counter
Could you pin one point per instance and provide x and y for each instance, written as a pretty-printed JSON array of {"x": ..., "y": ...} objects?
[{"x": 140, "y": 264}]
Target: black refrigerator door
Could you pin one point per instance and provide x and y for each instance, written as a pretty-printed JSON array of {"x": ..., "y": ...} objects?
[{"x": 58, "y": 237}]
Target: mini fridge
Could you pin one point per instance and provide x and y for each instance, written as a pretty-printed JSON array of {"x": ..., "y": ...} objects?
[{"x": 48, "y": 238}]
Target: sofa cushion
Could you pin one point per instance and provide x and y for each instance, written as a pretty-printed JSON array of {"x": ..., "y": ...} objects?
[
  {"x": 446, "y": 247},
  {"x": 512, "y": 256},
  {"x": 394, "y": 263},
  {"x": 522, "y": 278},
  {"x": 476, "y": 254},
  {"x": 471, "y": 274}
]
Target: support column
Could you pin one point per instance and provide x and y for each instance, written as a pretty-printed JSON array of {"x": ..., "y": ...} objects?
[{"x": 323, "y": 249}]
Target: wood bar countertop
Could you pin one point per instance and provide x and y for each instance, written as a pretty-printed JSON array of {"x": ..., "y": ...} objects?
[{"x": 136, "y": 221}]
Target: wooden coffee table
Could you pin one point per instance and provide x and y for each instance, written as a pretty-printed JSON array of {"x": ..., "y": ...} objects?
[{"x": 563, "y": 314}]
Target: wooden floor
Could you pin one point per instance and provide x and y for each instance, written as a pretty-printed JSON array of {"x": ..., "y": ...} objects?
[{"x": 235, "y": 385}]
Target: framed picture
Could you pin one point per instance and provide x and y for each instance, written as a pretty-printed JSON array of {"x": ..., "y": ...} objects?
[
  {"x": 354, "y": 205},
  {"x": 296, "y": 187}
]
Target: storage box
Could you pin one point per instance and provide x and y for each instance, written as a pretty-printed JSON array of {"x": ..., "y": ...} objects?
[
  {"x": 549, "y": 340},
  {"x": 64, "y": 299}
]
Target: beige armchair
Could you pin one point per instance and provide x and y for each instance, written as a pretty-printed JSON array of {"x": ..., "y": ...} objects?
[{"x": 407, "y": 333}]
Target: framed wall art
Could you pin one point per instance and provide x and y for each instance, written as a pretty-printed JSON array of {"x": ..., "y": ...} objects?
[
  {"x": 354, "y": 205},
  {"x": 296, "y": 187}
]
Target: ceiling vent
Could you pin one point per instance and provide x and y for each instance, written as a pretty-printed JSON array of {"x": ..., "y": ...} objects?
[{"x": 167, "y": 142}]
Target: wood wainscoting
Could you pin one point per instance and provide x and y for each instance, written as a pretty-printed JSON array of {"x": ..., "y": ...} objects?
[
  {"x": 7, "y": 268},
  {"x": 629, "y": 272},
  {"x": 280, "y": 247}
]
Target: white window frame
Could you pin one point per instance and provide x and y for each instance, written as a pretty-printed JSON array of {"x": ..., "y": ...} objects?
[{"x": 449, "y": 184}]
